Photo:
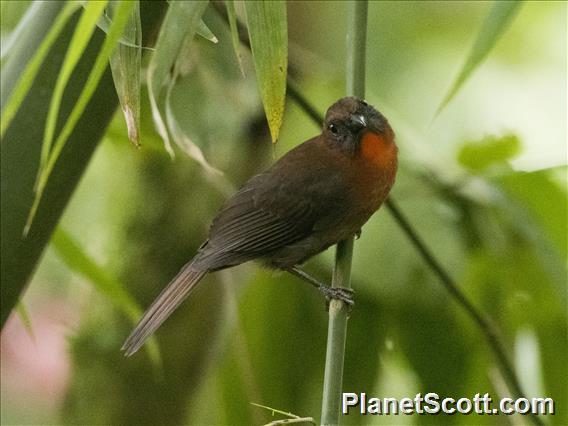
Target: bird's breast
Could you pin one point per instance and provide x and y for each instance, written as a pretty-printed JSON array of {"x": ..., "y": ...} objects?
[
  {"x": 376, "y": 166},
  {"x": 378, "y": 152}
]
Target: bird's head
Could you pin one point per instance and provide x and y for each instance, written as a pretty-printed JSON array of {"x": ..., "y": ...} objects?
[{"x": 358, "y": 128}]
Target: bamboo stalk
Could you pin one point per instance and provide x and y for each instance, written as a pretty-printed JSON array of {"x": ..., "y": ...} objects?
[{"x": 339, "y": 311}]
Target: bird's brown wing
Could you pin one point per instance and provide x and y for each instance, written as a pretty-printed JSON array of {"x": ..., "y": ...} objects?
[{"x": 251, "y": 225}]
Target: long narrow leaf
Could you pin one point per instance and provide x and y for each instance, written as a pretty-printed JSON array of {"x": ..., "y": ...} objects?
[
  {"x": 104, "y": 24},
  {"x": 181, "y": 21},
  {"x": 268, "y": 32},
  {"x": 204, "y": 31},
  {"x": 183, "y": 141},
  {"x": 16, "y": 33},
  {"x": 28, "y": 76},
  {"x": 81, "y": 37},
  {"x": 125, "y": 65},
  {"x": 76, "y": 259},
  {"x": 179, "y": 136},
  {"x": 232, "y": 15},
  {"x": 496, "y": 23},
  {"x": 121, "y": 18}
]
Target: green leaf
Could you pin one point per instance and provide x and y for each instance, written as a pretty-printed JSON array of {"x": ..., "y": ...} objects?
[
  {"x": 76, "y": 259},
  {"x": 204, "y": 31},
  {"x": 9, "y": 12},
  {"x": 232, "y": 15},
  {"x": 496, "y": 23},
  {"x": 179, "y": 136},
  {"x": 81, "y": 37},
  {"x": 181, "y": 22},
  {"x": 125, "y": 66},
  {"x": 127, "y": 39},
  {"x": 32, "y": 68},
  {"x": 111, "y": 40},
  {"x": 267, "y": 28},
  {"x": 478, "y": 156}
]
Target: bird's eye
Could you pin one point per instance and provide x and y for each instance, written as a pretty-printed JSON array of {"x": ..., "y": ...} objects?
[{"x": 333, "y": 129}]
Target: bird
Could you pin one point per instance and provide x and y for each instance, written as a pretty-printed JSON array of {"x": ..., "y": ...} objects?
[{"x": 319, "y": 193}]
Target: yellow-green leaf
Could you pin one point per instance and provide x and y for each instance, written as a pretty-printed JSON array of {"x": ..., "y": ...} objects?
[
  {"x": 81, "y": 37},
  {"x": 268, "y": 33},
  {"x": 121, "y": 18},
  {"x": 181, "y": 21},
  {"x": 32, "y": 68},
  {"x": 496, "y": 23},
  {"x": 125, "y": 67}
]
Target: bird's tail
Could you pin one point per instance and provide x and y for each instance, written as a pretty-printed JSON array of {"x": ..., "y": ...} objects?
[{"x": 167, "y": 302}]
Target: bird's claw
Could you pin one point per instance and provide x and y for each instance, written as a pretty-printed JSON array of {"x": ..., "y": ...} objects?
[{"x": 338, "y": 293}]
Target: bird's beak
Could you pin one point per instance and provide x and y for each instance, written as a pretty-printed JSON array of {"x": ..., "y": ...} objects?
[{"x": 359, "y": 120}]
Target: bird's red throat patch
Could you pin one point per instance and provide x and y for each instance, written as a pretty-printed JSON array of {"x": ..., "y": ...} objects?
[{"x": 377, "y": 150}]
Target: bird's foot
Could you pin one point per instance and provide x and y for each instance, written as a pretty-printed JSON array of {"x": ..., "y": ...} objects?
[
  {"x": 330, "y": 293},
  {"x": 338, "y": 293}
]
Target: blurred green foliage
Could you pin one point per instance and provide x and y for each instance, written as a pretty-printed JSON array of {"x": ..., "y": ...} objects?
[
  {"x": 488, "y": 196},
  {"x": 478, "y": 156}
]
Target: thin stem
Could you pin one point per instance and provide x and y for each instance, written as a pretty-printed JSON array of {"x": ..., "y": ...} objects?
[
  {"x": 339, "y": 311},
  {"x": 336, "y": 337},
  {"x": 356, "y": 48},
  {"x": 487, "y": 327},
  {"x": 483, "y": 322}
]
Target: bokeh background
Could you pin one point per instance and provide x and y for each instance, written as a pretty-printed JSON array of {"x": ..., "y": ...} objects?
[{"x": 484, "y": 183}]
